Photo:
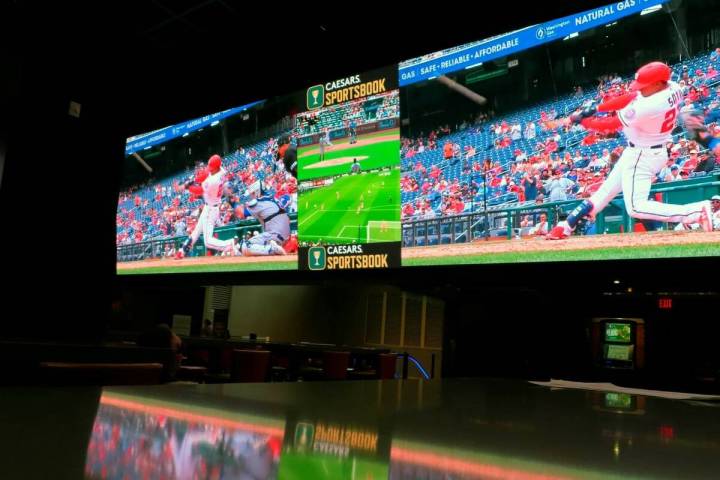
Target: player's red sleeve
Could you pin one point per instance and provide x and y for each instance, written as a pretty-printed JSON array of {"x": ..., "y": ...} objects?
[
  {"x": 196, "y": 190},
  {"x": 201, "y": 175},
  {"x": 617, "y": 103},
  {"x": 602, "y": 124}
]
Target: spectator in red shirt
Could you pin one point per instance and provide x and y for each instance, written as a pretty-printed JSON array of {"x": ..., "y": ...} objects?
[
  {"x": 704, "y": 91},
  {"x": 408, "y": 210},
  {"x": 458, "y": 206},
  {"x": 435, "y": 172},
  {"x": 448, "y": 151},
  {"x": 551, "y": 146}
]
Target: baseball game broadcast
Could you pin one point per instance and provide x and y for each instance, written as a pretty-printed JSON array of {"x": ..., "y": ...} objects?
[
  {"x": 212, "y": 194},
  {"x": 590, "y": 137},
  {"x": 349, "y": 171}
]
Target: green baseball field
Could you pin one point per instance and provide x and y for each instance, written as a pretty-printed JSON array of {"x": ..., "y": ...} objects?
[
  {"x": 618, "y": 246},
  {"x": 295, "y": 466},
  {"x": 372, "y": 151},
  {"x": 360, "y": 208}
]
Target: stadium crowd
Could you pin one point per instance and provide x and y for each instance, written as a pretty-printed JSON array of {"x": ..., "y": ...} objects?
[
  {"x": 165, "y": 209},
  {"x": 370, "y": 109},
  {"x": 126, "y": 444},
  {"x": 519, "y": 161}
]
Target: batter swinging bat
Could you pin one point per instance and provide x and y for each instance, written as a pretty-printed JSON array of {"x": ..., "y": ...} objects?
[{"x": 462, "y": 90}]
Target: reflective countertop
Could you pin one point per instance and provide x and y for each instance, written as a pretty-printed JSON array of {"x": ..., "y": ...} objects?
[{"x": 450, "y": 429}]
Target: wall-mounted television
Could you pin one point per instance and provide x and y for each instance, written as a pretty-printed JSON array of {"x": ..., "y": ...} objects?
[
  {"x": 589, "y": 137},
  {"x": 618, "y": 332}
]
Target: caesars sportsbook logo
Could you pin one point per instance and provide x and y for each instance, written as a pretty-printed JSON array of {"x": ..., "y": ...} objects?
[
  {"x": 315, "y": 97},
  {"x": 317, "y": 258},
  {"x": 344, "y": 257},
  {"x": 343, "y": 90},
  {"x": 304, "y": 436}
]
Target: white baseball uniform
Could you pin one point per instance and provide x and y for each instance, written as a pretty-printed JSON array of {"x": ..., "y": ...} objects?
[
  {"x": 212, "y": 187},
  {"x": 276, "y": 227},
  {"x": 647, "y": 123}
]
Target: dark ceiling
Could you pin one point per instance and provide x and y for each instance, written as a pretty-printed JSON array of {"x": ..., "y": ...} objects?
[{"x": 175, "y": 59}]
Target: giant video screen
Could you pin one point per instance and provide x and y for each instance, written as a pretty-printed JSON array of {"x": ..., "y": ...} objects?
[{"x": 590, "y": 137}]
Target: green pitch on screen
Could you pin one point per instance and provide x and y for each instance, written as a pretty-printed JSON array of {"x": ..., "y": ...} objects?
[
  {"x": 295, "y": 466},
  {"x": 352, "y": 209},
  {"x": 372, "y": 156},
  {"x": 617, "y": 332}
]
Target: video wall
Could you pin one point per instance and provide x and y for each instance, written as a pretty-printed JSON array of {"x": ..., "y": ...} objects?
[{"x": 590, "y": 137}]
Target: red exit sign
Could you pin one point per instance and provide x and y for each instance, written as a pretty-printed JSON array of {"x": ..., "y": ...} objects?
[{"x": 665, "y": 303}]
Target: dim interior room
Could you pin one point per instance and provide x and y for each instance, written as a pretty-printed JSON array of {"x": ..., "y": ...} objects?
[{"x": 294, "y": 242}]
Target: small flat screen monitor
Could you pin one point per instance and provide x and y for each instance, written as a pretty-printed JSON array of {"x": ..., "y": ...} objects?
[
  {"x": 618, "y": 400},
  {"x": 618, "y": 332},
  {"x": 619, "y": 352}
]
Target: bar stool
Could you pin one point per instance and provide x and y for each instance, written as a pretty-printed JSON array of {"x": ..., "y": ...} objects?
[
  {"x": 250, "y": 366},
  {"x": 335, "y": 365},
  {"x": 386, "y": 366}
]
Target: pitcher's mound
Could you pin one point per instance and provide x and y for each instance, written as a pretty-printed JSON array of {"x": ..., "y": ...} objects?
[{"x": 336, "y": 161}]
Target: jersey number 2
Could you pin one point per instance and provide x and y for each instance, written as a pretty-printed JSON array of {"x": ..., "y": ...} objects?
[{"x": 669, "y": 122}]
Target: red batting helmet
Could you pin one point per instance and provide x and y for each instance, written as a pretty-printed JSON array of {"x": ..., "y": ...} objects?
[
  {"x": 651, "y": 73},
  {"x": 215, "y": 163}
]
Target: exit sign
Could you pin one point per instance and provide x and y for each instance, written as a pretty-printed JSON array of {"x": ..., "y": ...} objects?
[{"x": 665, "y": 303}]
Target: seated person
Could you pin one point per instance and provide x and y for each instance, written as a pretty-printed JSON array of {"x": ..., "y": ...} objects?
[
  {"x": 207, "y": 330},
  {"x": 220, "y": 330},
  {"x": 161, "y": 336}
]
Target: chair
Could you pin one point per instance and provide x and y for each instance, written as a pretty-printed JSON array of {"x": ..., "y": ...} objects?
[
  {"x": 335, "y": 365},
  {"x": 386, "y": 366},
  {"x": 250, "y": 366},
  {"x": 101, "y": 374}
]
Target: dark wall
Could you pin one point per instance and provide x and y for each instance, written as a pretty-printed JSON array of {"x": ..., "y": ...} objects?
[
  {"x": 58, "y": 192},
  {"x": 544, "y": 333}
]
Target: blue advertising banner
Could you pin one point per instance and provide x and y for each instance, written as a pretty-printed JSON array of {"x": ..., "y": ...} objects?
[
  {"x": 140, "y": 142},
  {"x": 451, "y": 60}
]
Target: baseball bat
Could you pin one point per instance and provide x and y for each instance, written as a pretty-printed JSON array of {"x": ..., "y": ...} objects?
[{"x": 462, "y": 90}]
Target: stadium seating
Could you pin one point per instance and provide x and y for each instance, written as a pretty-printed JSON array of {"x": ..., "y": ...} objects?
[
  {"x": 482, "y": 140},
  {"x": 148, "y": 196}
]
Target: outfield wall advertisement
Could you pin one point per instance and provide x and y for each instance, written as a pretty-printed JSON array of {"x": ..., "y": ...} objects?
[{"x": 590, "y": 137}]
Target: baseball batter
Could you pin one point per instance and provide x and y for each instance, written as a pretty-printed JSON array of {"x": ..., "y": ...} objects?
[
  {"x": 274, "y": 219},
  {"x": 208, "y": 184},
  {"x": 647, "y": 116}
]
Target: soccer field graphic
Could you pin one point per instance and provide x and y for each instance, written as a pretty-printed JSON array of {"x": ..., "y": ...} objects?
[{"x": 361, "y": 208}]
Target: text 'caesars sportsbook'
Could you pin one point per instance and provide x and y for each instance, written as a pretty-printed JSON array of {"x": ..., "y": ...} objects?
[
  {"x": 349, "y": 173},
  {"x": 589, "y": 137}
]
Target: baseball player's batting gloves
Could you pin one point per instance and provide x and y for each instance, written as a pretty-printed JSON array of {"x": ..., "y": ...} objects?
[{"x": 586, "y": 112}]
